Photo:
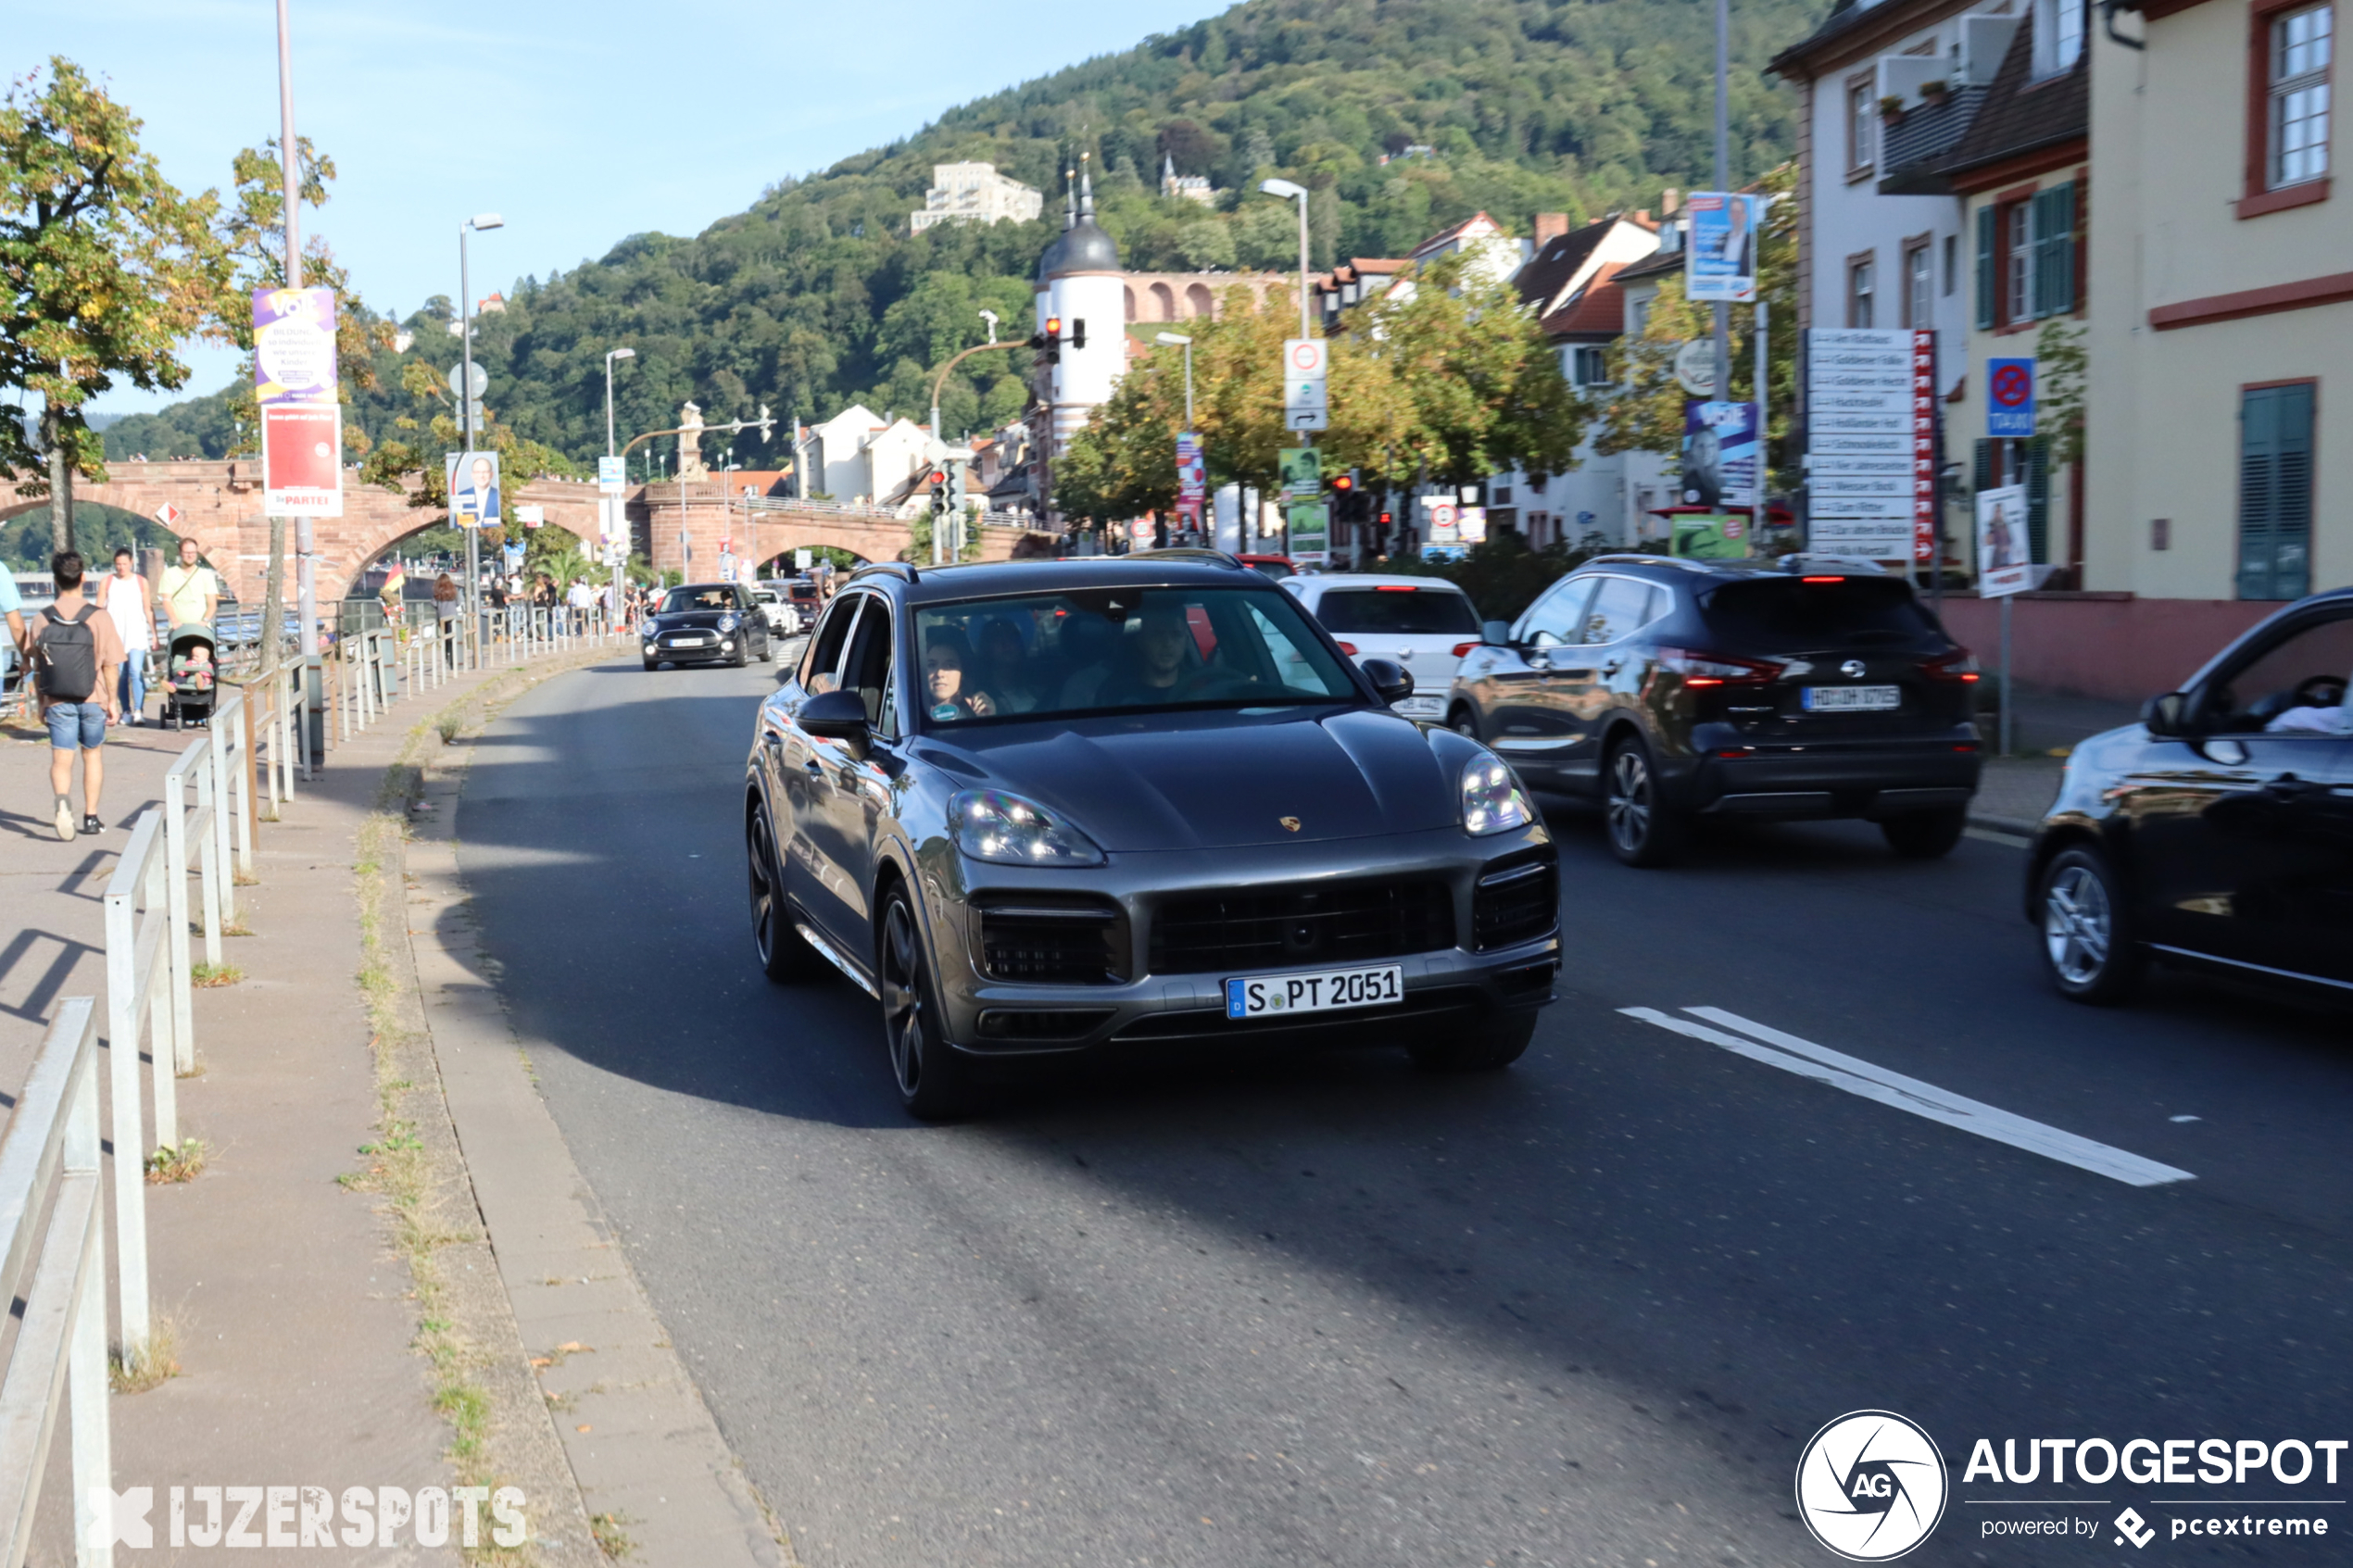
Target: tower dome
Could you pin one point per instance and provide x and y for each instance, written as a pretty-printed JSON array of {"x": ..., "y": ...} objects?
[{"x": 1083, "y": 248}]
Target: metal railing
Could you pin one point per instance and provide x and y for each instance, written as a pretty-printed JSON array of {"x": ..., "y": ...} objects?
[{"x": 49, "y": 1164}]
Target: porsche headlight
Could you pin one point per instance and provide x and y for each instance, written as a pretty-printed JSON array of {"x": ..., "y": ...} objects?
[
  {"x": 1491, "y": 800},
  {"x": 728, "y": 623},
  {"x": 988, "y": 824}
]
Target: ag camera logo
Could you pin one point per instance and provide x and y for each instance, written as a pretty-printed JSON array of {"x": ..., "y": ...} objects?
[{"x": 1871, "y": 1486}]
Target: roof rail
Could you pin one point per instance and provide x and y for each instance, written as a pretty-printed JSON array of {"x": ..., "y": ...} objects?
[
  {"x": 1685, "y": 563},
  {"x": 1192, "y": 552},
  {"x": 886, "y": 566}
]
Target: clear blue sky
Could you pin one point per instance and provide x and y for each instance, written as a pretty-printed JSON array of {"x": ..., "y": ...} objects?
[{"x": 579, "y": 121}]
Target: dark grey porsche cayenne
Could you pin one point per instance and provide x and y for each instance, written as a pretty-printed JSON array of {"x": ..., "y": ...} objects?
[{"x": 1059, "y": 806}]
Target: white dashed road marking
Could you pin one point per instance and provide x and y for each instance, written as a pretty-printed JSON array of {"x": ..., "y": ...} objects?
[{"x": 1791, "y": 1054}]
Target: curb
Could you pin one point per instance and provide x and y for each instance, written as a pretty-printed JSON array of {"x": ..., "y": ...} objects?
[
  {"x": 645, "y": 1453},
  {"x": 2017, "y": 826}
]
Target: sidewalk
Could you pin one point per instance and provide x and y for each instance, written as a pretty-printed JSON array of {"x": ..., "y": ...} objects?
[{"x": 296, "y": 1316}]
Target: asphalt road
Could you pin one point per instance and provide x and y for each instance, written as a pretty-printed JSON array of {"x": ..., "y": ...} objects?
[{"x": 1330, "y": 1309}]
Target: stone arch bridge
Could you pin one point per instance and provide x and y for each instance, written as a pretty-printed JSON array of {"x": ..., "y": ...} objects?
[{"x": 221, "y": 508}]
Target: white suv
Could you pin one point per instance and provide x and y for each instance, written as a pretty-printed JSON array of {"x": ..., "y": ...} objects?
[{"x": 1425, "y": 624}]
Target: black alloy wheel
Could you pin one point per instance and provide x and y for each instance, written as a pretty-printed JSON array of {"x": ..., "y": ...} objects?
[
  {"x": 1643, "y": 831},
  {"x": 2087, "y": 935},
  {"x": 1495, "y": 1042},
  {"x": 1462, "y": 721},
  {"x": 932, "y": 1077},
  {"x": 1924, "y": 836},
  {"x": 783, "y": 956}
]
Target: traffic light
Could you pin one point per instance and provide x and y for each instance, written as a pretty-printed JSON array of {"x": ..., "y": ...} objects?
[
  {"x": 1078, "y": 332},
  {"x": 938, "y": 479},
  {"x": 1344, "y": 484},
  {"x": 955, "y": 487},
  {"x": 1054, "y": 344}
]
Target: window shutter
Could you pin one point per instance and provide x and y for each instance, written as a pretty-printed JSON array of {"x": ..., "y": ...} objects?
[
  {"x": 1981, "y": 471},
  {"x": 1985, "y": 263},
  {"x": 2037, "y": 453},
  {"x": 2055, "y": 250},
  {"x": 2275, "y": 493}
]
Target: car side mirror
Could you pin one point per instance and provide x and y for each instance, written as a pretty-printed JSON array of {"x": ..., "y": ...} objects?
[
  {"x": 2166, "y": 715},
  {"x": 1391, "y": 682},
  {"x": 1496, "y": 633},
  {"x": 835, "y": 715}
]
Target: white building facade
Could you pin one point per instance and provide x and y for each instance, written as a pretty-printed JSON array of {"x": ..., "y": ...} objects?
[{"x": 975, "y": 192}]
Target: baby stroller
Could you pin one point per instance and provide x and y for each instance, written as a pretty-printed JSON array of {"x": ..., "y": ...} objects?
[{"x": 188, "y": 694}]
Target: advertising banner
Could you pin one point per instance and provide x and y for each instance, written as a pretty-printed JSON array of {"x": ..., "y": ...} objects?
[
  {"x": 1192, "y": 473},
  {"x": 1470, "y": 524},
  {"x": 1719, "y": 455},
  {"x": 1721, "y": 260},
  {"x": 2004, "y": 561},
  {"x": 612, "y": 476},
  {"x": 1710, "y": 537},
  {"x": 301, "y": 459},
  {"x": 1310, "y": 524},
  {"x": 471, "y": 478},
  {"x": 1303, "y": 471},
  {"x": 293, "y": 346}
]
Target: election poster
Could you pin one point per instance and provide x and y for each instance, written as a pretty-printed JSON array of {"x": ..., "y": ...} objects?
[{"x": 1720, "y": 258}]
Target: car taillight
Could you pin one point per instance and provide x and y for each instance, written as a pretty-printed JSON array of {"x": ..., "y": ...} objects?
[
  {"x": 1958, "y": 667},
  {"x": 1348, "y": 648},
  {"x": 1701, "y": 668},
  {"x": 1462, "y": 650}
]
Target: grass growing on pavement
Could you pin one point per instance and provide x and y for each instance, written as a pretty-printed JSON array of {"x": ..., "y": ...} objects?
[
  {"x": 183, "y": 1162},
  {"x": 206, "y": 975},
  {"x": 400, "y": 1167},
  {"x": 151, "y": 1365},
  {"x": 610, "y": 1537}
]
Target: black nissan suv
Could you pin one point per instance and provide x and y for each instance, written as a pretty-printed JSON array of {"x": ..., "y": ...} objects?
[{"x": 1669, "y": 689}]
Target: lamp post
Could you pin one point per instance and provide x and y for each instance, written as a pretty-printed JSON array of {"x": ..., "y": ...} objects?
[
  {"x": 1172, "y": 340},
  {"x": 620, "y": 517},
  {"x": 1292, "y": 191},
  {"x": 479, "y": 222}
]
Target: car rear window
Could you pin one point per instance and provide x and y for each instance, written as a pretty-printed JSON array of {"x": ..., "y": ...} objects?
[
  {"x": 1793, "y": 615},
  {"x": 1437, "y": 612}
]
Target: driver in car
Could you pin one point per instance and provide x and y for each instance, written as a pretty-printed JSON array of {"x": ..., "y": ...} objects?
[
  {"x": 1156, "y": 672},
  {"x": 2311, "y": 718}
]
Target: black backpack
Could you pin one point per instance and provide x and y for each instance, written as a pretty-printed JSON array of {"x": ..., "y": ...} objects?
[{"x": 68, "y": 651}]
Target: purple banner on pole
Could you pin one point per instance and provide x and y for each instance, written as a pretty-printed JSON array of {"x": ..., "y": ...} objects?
[{"x": 293, "y": 343}]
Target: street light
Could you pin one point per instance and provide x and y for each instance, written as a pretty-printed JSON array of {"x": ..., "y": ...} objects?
[
  {"x": 616, "y": 354},
  {"x": 478, "y": 224},
  {"x": 1172, "y": 339},
  {"x": 1289, "y": 191}
]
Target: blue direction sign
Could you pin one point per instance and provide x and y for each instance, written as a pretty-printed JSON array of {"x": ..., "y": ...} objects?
[{"x": 2010, "y": 398}]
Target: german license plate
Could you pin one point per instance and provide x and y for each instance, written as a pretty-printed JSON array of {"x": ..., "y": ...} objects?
[
  {"x": 1421, "y": 707},
  {"x": 688, "y": 641},
  {"x": 1322, "y": 990},
  {"x": 1851, "y": 699}
]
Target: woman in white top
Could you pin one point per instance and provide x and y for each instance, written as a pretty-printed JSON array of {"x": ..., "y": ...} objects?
[{"x": 123, "y": 596}]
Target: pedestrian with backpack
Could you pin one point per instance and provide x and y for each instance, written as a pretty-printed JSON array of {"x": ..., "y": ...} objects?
[{"x": 75, "y": 653}]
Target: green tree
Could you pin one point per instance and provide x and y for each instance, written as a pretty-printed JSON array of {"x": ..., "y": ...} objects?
[
  {"x": 1483, "y": 388},
  {"x": 104, "y": 267}
]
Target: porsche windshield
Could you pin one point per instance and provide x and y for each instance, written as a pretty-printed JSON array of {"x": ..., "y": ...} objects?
[{"x": 1119, "y": 649}]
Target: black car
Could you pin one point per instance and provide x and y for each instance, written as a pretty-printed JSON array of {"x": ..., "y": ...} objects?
[
  {"x": 1106, "y": 805},
  {"x": 1668, "y": 689},
  {"x": 706, "y": 623},
  {"x": 2218, "y": 832}
]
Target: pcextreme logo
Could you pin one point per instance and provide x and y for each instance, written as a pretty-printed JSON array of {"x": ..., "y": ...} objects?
[{"x": 1871, "y": 1486}]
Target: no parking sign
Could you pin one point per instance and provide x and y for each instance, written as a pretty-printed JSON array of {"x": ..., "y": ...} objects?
[{"x": 2009, "y": 398}]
